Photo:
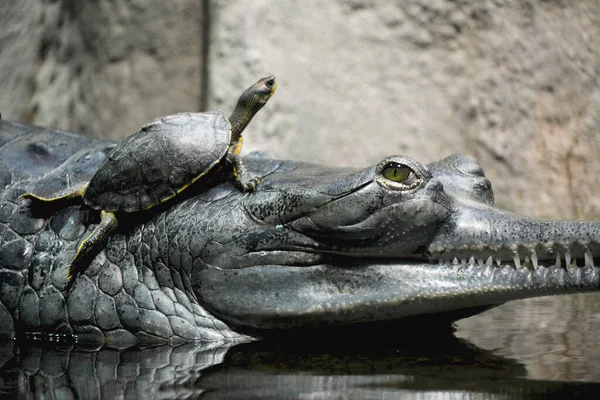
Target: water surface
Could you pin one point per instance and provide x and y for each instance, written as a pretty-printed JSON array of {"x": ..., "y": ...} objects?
[{"x": 546, "y": 347}]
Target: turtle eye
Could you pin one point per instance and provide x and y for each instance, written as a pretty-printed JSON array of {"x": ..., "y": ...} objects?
[
  {"x": 398, "y": 176},
  {"x": 270, "y": 82}
]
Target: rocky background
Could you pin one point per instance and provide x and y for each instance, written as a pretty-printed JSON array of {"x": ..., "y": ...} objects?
[{"x": 514, "y": 83}]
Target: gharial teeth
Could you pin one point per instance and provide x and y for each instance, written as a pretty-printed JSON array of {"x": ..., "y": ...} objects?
[
  {"x": 527, "y": 262},
  {"x": 589, "y": 259},
  {"x": 531, "y": 261},
  {"x": 534, "y": 260},
  {"x": 517, "y": 261}
]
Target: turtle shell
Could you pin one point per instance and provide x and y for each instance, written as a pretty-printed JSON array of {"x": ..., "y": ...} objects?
[{"x": 159, "y": 161}]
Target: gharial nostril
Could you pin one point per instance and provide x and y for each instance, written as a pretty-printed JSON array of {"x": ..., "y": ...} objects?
[{"x": 484, "y": 184}]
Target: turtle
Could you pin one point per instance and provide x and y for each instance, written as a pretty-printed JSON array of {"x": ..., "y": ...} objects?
[{"x": 158, "y": 162}]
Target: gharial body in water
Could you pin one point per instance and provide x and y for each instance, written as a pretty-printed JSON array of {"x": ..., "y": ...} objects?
[{"x": 312, "y": 247}]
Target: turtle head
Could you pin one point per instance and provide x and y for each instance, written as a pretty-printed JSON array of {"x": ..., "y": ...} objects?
[
  {"x": 258, "y": 94},
  {"x": 252, "y": 100}
]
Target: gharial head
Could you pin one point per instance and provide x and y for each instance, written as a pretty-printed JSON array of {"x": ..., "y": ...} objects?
[{"x": 250, "y": 102}]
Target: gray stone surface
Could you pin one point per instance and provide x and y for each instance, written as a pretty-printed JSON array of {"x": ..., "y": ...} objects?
[
  {"x": 20, "y": 39},
  {"x": 516, "y": 84},
  {"x": 103, "y": 67}
]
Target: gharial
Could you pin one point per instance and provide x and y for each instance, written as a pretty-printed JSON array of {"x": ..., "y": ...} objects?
[
  {"x": 398, "y": 241},
  {"x": 160, "y": 161}
]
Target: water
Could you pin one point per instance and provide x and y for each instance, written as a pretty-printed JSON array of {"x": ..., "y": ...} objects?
[{"x": 546, "y": 347}]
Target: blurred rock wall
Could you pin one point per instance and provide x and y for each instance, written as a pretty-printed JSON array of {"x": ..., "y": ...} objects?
[
  {"x": 514, "y": 83},
  {"x": 101, "y": 67}
]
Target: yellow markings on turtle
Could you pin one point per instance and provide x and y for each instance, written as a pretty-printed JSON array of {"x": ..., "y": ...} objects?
[
  {"x": 236, "y": 147},
  {"x": 60, "y": 196}
]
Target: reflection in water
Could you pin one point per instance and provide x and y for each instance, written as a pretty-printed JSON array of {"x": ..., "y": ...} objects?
[
  {"x": 554, "y": 337},
  {"x": 497, "y": 356},
  {"x": 64, "y": 373}
]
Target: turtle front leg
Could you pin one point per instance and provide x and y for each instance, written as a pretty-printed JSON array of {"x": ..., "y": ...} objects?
[
  {"x": 91, "y": 246},
  {"x": 248, "y": 182}
]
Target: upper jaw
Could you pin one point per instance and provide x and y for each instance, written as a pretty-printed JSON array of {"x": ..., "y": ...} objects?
[
  {"x": 470, "y": 234},
  {"x": 482, "y": 234}
]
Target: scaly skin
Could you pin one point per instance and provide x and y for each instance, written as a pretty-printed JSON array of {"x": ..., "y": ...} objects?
[{"x": 312, "y": 247}]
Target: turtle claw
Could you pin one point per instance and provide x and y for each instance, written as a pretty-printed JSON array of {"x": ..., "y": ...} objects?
[
  {"x": 251, "y": 185},
  {"x": 71, "y": 272}
]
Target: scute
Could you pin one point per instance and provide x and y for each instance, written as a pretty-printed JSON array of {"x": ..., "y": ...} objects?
[{"x": 135, "y": 176}]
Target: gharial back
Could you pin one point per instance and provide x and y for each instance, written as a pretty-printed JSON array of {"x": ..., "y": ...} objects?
[{"x": 159, "y": 161}]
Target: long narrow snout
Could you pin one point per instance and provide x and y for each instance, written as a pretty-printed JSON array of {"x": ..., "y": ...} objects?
[{"x": 483, "y": 233}]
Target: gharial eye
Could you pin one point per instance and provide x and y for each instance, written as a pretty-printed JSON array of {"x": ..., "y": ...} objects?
[
  {"x": 396, "y": 172},
  {"x": 398, "y": 176}
]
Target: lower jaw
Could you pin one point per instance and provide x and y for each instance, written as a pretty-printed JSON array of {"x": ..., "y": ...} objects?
[
  {"x": 544, "y": 275},
  {"x": 280, "y": 296}
]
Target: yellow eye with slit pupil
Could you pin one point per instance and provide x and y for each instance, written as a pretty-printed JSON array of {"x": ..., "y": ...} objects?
[
  {"x": 396, "y": 172},
  {"x": 396, "y": 175}
]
